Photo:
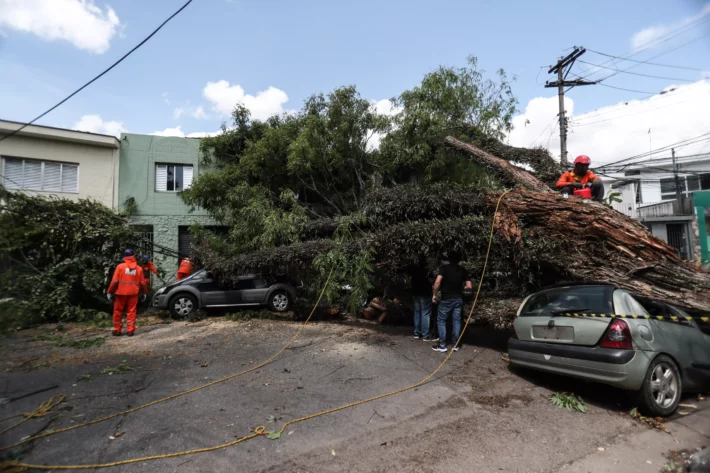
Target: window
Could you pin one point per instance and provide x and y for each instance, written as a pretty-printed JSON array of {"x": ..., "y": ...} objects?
[
  {"x": 590, "y": 299},
  {"x": 173, "y": 177},
  {"x": 688, "y": 185},
  {"x": 49, "y": 176}
]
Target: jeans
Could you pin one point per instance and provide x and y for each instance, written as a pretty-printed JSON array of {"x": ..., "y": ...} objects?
[
  {"x": 446, "y": 307},
  {"x": 422, "y": 313}
]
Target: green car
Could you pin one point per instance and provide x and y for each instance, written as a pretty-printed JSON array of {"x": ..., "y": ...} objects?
[{"x": 656, "y": 359}]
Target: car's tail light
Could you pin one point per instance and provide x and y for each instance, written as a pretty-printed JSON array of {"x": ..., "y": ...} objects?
[
  {"x": 512, "y": 325},
  {"x": 617, "y": 335}
]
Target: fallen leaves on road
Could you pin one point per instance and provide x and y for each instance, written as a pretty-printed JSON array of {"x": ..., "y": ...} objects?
[
  {"x": 273, "y": 434},
  {"x": 505, "y": 358},
  {"x": 332, "y": 452},
  {"x": 656, "y": 423},
  {"x": 204, "y": 364}
]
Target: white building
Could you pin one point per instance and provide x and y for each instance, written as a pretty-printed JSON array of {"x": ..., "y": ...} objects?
[
  {"x": 648, "y": 193},
  {"x": 43, "y": 160}
]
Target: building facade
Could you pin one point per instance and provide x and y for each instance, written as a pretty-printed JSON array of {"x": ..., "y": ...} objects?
[
  {"x": 41, "y": 160},
  {"x": 648, "y": 194},
  {"x": 154, "y": 170}
]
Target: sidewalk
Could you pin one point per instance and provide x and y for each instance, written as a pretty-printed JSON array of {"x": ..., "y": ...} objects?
[{"x": 644, "y": 452}]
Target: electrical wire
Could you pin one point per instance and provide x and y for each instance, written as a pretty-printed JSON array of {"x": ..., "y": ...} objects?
[
  {"x": 625, "y": 71},
  {"x": 584, "y": 123},
  {"x": 657, "y": 150},
  {"x": 646, "y": 62},
  {"x": 98, "y": 76}
]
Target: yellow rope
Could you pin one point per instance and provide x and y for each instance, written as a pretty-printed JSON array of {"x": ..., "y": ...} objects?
[
  {"x": 16, "y": 467},
  {"x": 173, "y": 396},
  {"x": 41, "y": 411}
]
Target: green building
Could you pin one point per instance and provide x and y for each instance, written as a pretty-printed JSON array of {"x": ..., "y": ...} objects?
[
  {"x": 152, "y": 171},
  {"x": 701, "y": 202}
]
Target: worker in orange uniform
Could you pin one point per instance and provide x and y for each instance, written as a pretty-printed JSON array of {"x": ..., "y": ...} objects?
[
  {"x": 126, "y": 286},
  {"x": 148, "y": 268},
  {"x": 185, "y": 269},
  {"x": 581, "y": 177}
]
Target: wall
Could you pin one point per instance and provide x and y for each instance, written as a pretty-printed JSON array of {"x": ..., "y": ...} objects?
[
  {"x": 98, "y": 166},
  {"x": 166, "y": 211},
  {"x": 139, "y": 155},
  {"x": 165, "y": 233}
]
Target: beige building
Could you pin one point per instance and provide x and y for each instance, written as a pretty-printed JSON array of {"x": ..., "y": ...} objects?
[{"x": 43, "y": 160}]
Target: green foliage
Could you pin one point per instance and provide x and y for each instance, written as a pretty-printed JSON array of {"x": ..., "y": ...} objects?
[
  {"x": 84, "y": 377},
  {"x": 612, "y": 197},
  {"x": 568, "y": 401},
  {"x": 120, "y": 369},
  {"x": 244, "y": 315},
  {"x": 58, "y": 253},
  {"x": 449, "y": 101}
]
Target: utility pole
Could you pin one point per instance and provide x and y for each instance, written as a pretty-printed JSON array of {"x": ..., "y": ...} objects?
[
  {"x": 562, "y": 68},
  {"x": 678, "y": 191}
]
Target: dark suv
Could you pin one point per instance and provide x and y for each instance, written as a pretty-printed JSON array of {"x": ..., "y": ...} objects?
[{"x": 203, "y": 291}]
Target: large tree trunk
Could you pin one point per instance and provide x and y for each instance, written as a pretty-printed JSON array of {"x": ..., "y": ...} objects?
[{"x": 599, "y": 243}]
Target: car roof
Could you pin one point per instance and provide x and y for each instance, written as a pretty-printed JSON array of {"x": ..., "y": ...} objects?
[{"x": 578, "y": 283}]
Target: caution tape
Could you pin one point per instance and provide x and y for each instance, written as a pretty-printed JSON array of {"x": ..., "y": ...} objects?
[{"x": 631, "y": 316}]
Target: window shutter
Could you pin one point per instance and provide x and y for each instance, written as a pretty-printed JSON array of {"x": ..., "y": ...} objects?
[
  {"x": 187, "y": 177},
  {"x": 52, "y": 177},
  {"x": 32, "y": 175},
  {"x": 70, "y": 178},
  {"x": 13, "y": 173},
  {"x": 161, "y": 177}
]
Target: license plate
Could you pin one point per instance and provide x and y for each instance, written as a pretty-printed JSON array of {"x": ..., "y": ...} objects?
[{"x": 553, "y": 333}]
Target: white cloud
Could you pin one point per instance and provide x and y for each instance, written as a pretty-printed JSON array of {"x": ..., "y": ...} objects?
[
  {"x": 619, "y": 131},
  {"x": 95, "y": 124},
  {"x": 224, "y": 98},
  {"x": 177, "y": 131},
  {"x": 165, "y": 98},
  {"x": 80, "y": 22},
  {"x": 177, "y": 113},
  {"x": 199, "y": 113},
  {"x": 383, "y": 107},
  {"x": 652, "y": 33}
]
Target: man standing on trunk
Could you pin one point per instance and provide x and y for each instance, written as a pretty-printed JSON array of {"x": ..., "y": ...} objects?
[{"x": 451, "y": 281}]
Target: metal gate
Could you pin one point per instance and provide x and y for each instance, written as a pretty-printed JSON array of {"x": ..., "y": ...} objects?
[
  {"x": 677, "y": 238},
  {"x": 144, "y": 245},
  {"x": 184, "y": 242}
]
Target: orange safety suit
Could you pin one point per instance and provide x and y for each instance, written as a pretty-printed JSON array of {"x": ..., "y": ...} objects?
[
  {"x": 185, "y": 269},
  {"x": 569, "y": 177},
  {"x": 147, "y": 269},
  {"x": 126, "y": 284}
]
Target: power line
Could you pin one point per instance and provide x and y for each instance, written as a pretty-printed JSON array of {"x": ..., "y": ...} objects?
[
  {"x": 625, "y": 71},
  {"x": 627, "y": 90},
  {"x": 628, "y": 114},
  {"x": 679, "y": 144},
  {"x": 646, "y": 62},
  {"x": 100, "y": 75},
  {"x": 667, "y": 36}
]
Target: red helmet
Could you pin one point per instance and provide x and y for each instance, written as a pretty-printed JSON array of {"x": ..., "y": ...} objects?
[{"x": 582, "y": 159}]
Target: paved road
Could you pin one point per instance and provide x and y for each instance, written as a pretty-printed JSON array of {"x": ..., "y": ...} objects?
[{"x": 476, "y": 415}]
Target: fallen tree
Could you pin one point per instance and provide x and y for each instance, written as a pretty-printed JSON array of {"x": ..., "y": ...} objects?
[{"x": 540, "y": 239}]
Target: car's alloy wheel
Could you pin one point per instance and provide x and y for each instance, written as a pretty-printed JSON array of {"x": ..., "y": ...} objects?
[
  {"x": 183, "y": 306},
  {"x": 280, "y": 302},
  {"x": 664, "y": 385}
]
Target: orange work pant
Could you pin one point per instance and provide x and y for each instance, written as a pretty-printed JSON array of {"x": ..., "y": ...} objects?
[{"x": 129, "y": 304}]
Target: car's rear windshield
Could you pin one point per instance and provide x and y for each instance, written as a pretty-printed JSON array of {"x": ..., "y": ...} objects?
[{"x": 575, "y": 299}]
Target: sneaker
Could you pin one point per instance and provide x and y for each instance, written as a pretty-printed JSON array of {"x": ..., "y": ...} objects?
[
  {"x": 439, "y": 348},
  {"x": 116, "y": 333},
  {"x": 456, "y": 348},
  {"x": 417, "y": 337},
  {"x": 130, "y": 334},
  {"x": 432, "y": 339},
  {"x": 428, "y": 339}
]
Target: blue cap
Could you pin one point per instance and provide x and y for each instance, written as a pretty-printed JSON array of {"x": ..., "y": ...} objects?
[
  {"x": 145, "y": 257},
  {"x": 128, "y": 252}
]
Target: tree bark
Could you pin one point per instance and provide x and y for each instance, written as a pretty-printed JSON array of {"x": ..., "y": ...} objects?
[
  {"x": 508, "y": 173},
  {"x": 601, "y": 244}
]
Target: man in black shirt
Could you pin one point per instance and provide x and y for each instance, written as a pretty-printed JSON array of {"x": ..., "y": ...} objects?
[
  {"x": 421, "y": 298},
  {"x": 451, "y": 280}
]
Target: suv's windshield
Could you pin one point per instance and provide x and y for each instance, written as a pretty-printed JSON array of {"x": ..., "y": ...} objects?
[{"x": 586, "y": 299}]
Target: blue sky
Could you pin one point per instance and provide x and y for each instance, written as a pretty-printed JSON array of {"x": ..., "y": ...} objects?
[{"x": 308, "y": 46}]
